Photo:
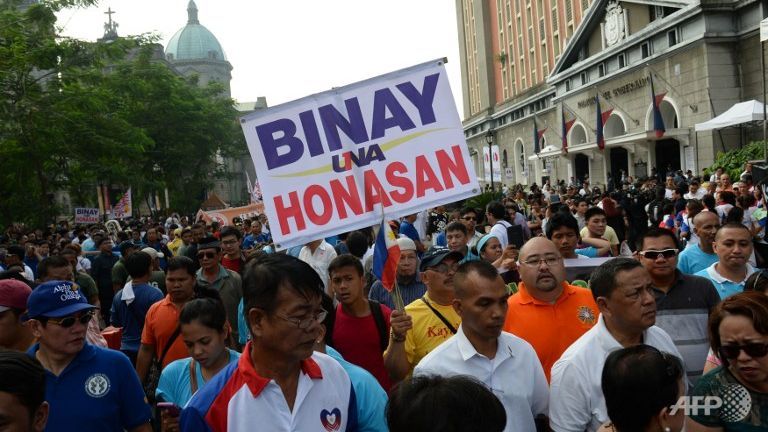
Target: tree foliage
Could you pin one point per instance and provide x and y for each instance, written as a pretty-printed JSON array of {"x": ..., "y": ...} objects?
[
  {"x": 77, "y": 114},
  {"x": 733, "y": 161}
]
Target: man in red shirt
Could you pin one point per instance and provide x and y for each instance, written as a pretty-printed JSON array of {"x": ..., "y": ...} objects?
[
  {"x": 233, "y": 259},
  {"x": 361, "y": 328}
]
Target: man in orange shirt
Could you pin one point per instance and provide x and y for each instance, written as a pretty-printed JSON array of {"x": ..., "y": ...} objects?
[
  {"x": 162, "y": 320},
  {"x": 546, "y": 311}
]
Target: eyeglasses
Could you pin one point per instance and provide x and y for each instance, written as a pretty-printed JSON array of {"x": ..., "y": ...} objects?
[
  {"x": 549, "y": 261},
  {"x": 654, "y": 254},
  {"x": 209, "y": 255},
  {"x": 444, "y": 268},
  {"x": 69, "y": 321},
  {"x": 305, "y": 323},
  {"x": 754, "y": 350},
  {"x": 469, "y": 218}
]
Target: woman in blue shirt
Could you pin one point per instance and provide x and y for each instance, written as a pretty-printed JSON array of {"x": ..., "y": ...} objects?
[{"x": 205, "y": 331}]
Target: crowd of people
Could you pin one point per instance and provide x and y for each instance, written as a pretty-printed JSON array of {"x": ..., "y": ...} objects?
[{"x": 563, "y": 307}]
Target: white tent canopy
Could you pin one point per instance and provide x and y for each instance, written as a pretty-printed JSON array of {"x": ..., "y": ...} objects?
[{"x": 742, "y": 112}]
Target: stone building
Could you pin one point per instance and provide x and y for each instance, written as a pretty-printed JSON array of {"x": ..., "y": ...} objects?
[{"x": 704, "y": 55}]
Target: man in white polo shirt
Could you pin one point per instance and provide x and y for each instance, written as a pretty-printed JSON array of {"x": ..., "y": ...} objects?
[
  {"x": 505, "y": 363},
  {"x": 623, "y": 291},
  {"x": 279, "y": 383}
]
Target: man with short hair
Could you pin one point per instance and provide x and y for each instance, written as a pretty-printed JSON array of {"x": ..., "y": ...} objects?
[
  {"x": 22, "y": 393},
  {"x": 14, "y": 257},
  {"x": 694, "y": 191},
  {"x": 89, "y": 388},
  {"x": 233, "y": 258},
  {"x": 119, "y": 272},
  {"x": 408, "y": 279},
  {"x": 82, "y": 279},
  {"x": 102, "y": 274},
  {"x": 361, "y": 326},
  {"x": 279, "y": 383},
  {"x": 683, "y": 302},
  {"x": 505, "y": 363},
  {"x": 597, "y": 227},
  {"x": 623, "y": 291},
  {"x": 733, "y": 246},
  {"x": 197, "y": 231},
  {"x": 160, "y": 335},
  {"x": 214, "y": 276},
  {"x": 256, "y": 236},
  {"x": 725, "y": 183},
  {"x": 14, "y": 333},
  {"x": 697, "y": 257},
  {"x": 456, "y": 239},
  {"x": 186, "y": 241},
  {"x": 428, "y": 321},
  {"x": 495, "y": 213},
  {"x": 131, "y": 303},
  {"x": 563, "y": 231},
  {"x": 581, "y": 207},
  {"x": 470, "y": 219},
  {"x": 155, "y": 241},
  {"x": 546, "y": 311},
  {"x": 319, "y": 254}
]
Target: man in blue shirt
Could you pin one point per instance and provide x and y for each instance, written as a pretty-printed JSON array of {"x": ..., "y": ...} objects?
[
  {"x": 256, "y": 236},
  {"x": 88, "y": 388},
  {"x": 733, "y": 246},
  {"x": 408, "y": 281},
  {"x": 697, "y": 257},
  {"x": 130, "y": 305}
]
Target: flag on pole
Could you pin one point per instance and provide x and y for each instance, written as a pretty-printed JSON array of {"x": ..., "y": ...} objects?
[
  {"x": 601, "y": 119},
  {"x": 537, "y": 134},
  {"x": 386, "y": 255},
  {"x": 568, "y": 120},
  {"x": 658, "y": 121}
]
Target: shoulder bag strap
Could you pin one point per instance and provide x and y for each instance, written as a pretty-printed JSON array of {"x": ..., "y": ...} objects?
[
  {"x": 192, "y": 376},
  {"x": 168, "y": 345},
  {"x": 439, "y": 315},
  {"x": 381, "y": 325}
]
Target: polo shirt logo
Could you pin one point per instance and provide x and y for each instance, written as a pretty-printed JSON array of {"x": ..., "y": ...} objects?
[
  {"x": 438, "y": 331},
  {"x": 586, "y": 315},
  {"x": 331, "y": 420},
  {"x": 97, "y": 385}
]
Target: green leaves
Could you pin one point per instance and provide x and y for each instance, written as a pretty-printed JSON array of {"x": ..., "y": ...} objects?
[{"x": 733, "y": 161}]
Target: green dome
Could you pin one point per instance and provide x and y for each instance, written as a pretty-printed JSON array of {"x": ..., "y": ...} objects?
[{"x": 194, "y": 41}]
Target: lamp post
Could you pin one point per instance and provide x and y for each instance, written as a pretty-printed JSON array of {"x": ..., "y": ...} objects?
[{"x": 489, "y": 140}]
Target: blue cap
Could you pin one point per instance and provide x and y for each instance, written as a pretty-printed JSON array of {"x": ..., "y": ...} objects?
[{"x": 56, "y": 299}]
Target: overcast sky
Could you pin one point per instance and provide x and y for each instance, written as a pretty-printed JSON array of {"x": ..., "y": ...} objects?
[{"x": 288, "y": 49}]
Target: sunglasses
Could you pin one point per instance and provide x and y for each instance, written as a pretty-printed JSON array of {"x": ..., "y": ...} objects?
[
  {"x": 654, "y": 254},
  {"x": 754, "y": 350},
  {"x": 209, "y": 255},
  {"x": 469, "y": 218},
  {"x": 71, "y": 320}
]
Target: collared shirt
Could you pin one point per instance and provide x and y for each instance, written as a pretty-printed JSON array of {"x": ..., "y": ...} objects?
[
  {"x": 319, "y": 259},
  {"x": 159, "y": 325},
  {"x": 551, "y": 327},
  {"x": 131, "y": 316},
  {"x": 230, "y": 287},
  {"x": 514, "y": 375},
  {"x": 238, "y": 398},
  {"x": 97, "y": 391},
  {"x": 683, "y": 312},
  {"x": 693, "y": 260},
  {"x": 576, "y": 401},
  {"x": 725, "y": 287},
  {"x": 409, "y": 291}
]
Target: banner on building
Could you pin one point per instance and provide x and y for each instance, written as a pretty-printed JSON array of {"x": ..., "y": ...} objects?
[
  {"x": 86, "y": 215},
  {"x": 124, "y": 207},
  {"x": 227, "y": 216},
  {"x": 491, "y": 158},
  {"x": 335, "y": 161}
]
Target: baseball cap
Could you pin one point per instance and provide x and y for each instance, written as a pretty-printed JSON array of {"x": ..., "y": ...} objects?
[
  {"x": 436, "y": 254},
  {"x": 152, "y": 252},
  {"x": 406, "y": 244},
  {"x": 56, "y": 299},
  {"x": 13, "y": 294},
  {"x": 128, "y": 244},
  {"x": 209, "y": 242}
]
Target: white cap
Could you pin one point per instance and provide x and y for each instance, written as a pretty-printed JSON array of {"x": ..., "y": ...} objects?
[
  {"x": 406, "y": 244},
  {"x": 152, "y": 252}
]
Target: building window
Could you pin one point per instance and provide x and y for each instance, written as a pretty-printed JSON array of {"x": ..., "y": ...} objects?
[
  {"x": 673, "y": 36},
  {"x": 601, "y": 70},
  {"x": 556, "y": 45},
  {"x": 568, "y": 85},
  {"x": 568, "y": 10},
  {"x": 584, "y": 5},
  {"x": 622, "y": 60},
  {"x": 584, "y": 78},
  {"x": 646, "y": 49}
]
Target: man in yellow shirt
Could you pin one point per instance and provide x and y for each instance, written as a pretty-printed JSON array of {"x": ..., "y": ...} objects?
[
  {"x": 597, "y": 227},
  {"x": 428, "y": 321}
]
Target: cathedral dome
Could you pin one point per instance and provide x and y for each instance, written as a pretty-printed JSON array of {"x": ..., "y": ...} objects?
[{"x": 194, "y": 41}]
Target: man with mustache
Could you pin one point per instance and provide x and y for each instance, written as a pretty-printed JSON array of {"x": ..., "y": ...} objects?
[
  {"x": 733, "y": 246},
  {"x": 506, "y": 364},
  {"x": 623, "y": 291}
]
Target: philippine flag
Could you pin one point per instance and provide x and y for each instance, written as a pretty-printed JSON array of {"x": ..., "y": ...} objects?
[{"x": 386, "y": 255}]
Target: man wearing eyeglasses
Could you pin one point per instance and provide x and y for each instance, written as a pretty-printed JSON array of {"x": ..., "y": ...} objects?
[
  {"x": 88, "y": 388},
  {"x": 213, "y": 275},
  {"x": 427, "y": 322},
  {"x": 683, "y": 302},
  {"x": 623, "y": 291},
  {"x": 280, "y": 382},
  {"x": 546, "y": 311}
]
